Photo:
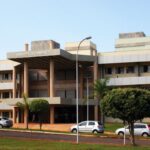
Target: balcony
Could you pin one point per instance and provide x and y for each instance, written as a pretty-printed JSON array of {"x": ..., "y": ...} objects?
[
  {"x": 6, "y": 85},
  {"x": 124, "y": 81}
]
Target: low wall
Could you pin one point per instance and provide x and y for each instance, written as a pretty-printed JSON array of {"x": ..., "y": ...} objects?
[{"x": 50, "y": 127}]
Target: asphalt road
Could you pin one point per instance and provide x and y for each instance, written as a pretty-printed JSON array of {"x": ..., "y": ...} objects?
[{"x": 70, "y": 138}]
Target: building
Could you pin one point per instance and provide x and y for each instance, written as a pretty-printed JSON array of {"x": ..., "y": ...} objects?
[{"x": 47, "y": 71}]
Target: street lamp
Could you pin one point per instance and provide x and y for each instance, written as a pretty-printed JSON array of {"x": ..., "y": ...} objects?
[{"x": 77, "y": 88}]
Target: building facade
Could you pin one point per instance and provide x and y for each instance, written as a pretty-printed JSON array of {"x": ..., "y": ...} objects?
[{"x": 46, "y": 71}]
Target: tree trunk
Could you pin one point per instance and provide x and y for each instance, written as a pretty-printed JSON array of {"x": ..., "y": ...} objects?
[
  {"x": 26, "y": 118},
  {"x": 131, "y": 129}
]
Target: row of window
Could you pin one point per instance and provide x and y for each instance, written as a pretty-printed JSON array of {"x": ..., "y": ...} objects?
[
  {"x": 129, "y": 69},
  {"x": 6, "y": 95},
  {"x": 6, "y": 76}
]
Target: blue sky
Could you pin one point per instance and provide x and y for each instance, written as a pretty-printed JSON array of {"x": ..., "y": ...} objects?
[{"x": 24, "y": 21}]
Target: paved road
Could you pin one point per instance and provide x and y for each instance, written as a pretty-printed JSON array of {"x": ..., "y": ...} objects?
[{"x": 69, "y": 138}]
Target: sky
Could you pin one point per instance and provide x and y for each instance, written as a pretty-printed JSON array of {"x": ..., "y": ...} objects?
[{"x": 23, "y": 21}]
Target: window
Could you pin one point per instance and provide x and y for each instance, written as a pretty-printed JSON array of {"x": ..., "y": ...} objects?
[
  {"x": 42, "y": 75},
  {"x": 130, "y": 69},
  {"x": 119, "y": 70},
  {"x": 60, "y": 75},
  {"x": 5, "y": 94},
  {"x": 145, "y": 68},
  {"x": 33, "y": 76},
  {"x": 83, "y": 124},
  {"x": 91, "y": 123},
  {"x": 70, "y": 94},
  {"x": 60, "y": 93},
  {"x": 70, "y": 75},
  {"x": 108, "y": 70},
  {"x": 5, "y": 76},
  {"x": 5, "y": 114}
]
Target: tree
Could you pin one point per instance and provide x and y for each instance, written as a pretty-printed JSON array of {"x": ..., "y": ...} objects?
[
  {"x": 39, "y": 106},
  {"x": 100, "y": 89},
  {"x": 128, "y": 104},
  {"x": 24, "y": 106}
]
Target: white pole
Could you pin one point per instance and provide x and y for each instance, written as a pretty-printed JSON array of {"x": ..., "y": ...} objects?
[
  {"x": 77, "y": 89},
  {"x": 87, "y": 99},
  {"x": 77, "y": 97},
  {"x": 124, "y": 141}
]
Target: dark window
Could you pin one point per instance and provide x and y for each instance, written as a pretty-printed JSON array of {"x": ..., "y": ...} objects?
[
  {"x": 5, "y": 76},
  {"x": 119, "y": 70},
  {"x": 91, "y": 123},
  {"x": 5, "y": 114},
  {"x": 130, "y": 69},
  {"x": 60, "y": 75},
  {"x": 60, "y": 93},
  {"x": 70, "y": 75},
  {"x": 108, "y": 70},
  {"x": 145, "y": 68},
  {"x": 70, "y": 94},
  {"x": 5, "y": 94}
]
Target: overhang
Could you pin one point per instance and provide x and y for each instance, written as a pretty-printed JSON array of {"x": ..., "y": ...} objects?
[
  {"x": 51, "y": 100},
  {"x": 17, "y": 56}
]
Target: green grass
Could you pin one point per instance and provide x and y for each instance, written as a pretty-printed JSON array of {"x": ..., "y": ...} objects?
[
  {"x": 113, "y": 126},
  {"x": 24, "y": 144}
]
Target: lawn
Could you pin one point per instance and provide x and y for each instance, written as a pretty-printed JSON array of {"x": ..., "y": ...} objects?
[
  {"x": 24, "y": 144},
  {"x": 113, "y": 126}
]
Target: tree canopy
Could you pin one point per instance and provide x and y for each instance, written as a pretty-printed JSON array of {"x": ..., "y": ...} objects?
[
  {"x": 39, "y": 106},
  {"x": 127, "y": 104}
]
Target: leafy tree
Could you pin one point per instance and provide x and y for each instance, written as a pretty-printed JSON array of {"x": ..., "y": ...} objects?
[
  {"x": 24, "y": 106},
  {"x": 39, "y": 106},
  {"x": 100, "y": 89},
  {"x": 128, "y": 104}
]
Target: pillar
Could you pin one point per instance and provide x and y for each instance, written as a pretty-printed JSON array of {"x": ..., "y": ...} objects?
[
  {"x": 51, "y": 78},
  {"x": 52, "y": 114},
  {"x": 14, "y": 82},
  {"x": 95, "y": 70},
  {"x": 14, "y": 115},
  {"x": 25, "y": 78}
]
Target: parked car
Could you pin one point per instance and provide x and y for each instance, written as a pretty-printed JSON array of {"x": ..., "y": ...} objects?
[
  {"x": 88, "y": 126},
  {"x": 5, "y": 122},
  {"x": 141, "y": 129}
]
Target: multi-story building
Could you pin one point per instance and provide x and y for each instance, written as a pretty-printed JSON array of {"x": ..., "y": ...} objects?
[{"x": 48, "y": 72}]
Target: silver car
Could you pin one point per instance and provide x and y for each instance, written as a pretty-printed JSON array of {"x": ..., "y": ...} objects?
[
  {"x": 88, "y": 126},
  {"x": 141, "y": 129},
  {"x": 5, "y": 122}
]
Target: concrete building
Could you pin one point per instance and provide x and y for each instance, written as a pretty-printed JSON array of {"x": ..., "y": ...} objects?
[{"x": 47, "y": 71}]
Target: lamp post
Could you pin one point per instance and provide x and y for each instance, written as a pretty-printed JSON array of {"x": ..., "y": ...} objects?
[{"x": 77, "y": 88}]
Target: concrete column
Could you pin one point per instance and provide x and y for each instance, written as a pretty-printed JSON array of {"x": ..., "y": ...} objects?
[
  {"x": 95, "y": 69},
  {"x": 14, "y": 82},
  {"x": 26, "y": 78},
  {"x": 51, "y": 76},
  {"x": 14, "y": 115},
  {"x": 52, "y": 113},
  {"x": 81, "y": 82}
]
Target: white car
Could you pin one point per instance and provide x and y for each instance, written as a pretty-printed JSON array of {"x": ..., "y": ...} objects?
[
  {"x": 139, "y": 129},
  {"x": 88, "y": 126}
]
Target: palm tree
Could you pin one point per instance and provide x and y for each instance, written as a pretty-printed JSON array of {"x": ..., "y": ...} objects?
[
  {"x": 24, "y": 106},
  {"x": 100, "y": 89}
]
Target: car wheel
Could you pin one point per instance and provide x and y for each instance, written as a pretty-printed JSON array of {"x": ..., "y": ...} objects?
[
  {"x": 145, "y": 134},
  {"x": 95, "y": 131},
  {"x": 121, "y": 133},
  {"x": 74, "y": 130},
  {"x": 1, "y": 126}
]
